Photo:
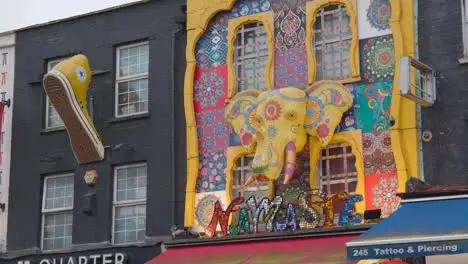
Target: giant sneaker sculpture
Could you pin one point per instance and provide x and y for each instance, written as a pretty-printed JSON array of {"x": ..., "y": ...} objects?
[{"x": 66, "y": 86}]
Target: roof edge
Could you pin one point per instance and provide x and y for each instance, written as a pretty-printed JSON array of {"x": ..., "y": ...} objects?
[{"x": 96, "y": 12}]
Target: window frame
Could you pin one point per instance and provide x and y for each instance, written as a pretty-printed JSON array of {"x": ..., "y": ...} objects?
[
  {"x": 134, "y": 77},
  {"x": 45, "y": 212},
  {"x": 240, "y": 60},
  {"x": 125, "y": 203},
  {"x": 265, "y": 18},
  {"x": 48, "y": 103},
  {"x": 313, "y": 8},
  {"x": 262, "y": 187}
]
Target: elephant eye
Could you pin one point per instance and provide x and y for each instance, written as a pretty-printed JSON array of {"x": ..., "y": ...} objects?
[{"x": 291, "y": 115}]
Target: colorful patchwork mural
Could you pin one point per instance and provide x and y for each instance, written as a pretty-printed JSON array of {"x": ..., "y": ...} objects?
[{"x": 369, "y": 110}]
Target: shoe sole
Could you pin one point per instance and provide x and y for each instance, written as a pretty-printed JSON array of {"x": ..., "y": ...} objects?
[{"x": 86, "y": 145}]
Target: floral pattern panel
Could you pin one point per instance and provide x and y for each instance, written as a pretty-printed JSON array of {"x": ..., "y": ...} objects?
[
  {"x": 210, "y": 88},
  {"x": 291, "y": 68},
  {"x": 374, "y": 102},
  {"x": 289, "y": 22},
  {"x": 249, "y": 7},
  {"x": 213, "y": 130},
  {"x": 381, "y": 192},
  {"x": 377, "y": 59},
  {"x": 374, "y": 18},
  {"x": 377, "y": 152},
  {"x": 212, "y": 174}
]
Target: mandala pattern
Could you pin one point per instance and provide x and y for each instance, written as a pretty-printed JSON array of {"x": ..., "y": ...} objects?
[
  {"x": 212, "y": 173},
  {"x": 291, "y": 68},
  {"x": 379, "y": 14},
  {"x": 272, "y": 110},
  {"x": 211, "y": 49},
  {"x": 381, "y": 192},
  {"x": 314, "y": 112},
  {"x": 377, "y": 152},
  {"x": 374, "y": 102},
  {"x": 249, "y": 7},
  {"x": 210, "y": 88},
  {"x": 204, "y": 208},
  {"x": 213, "y": 130},
  {"x": 378, "y": 59},
  {"x": 289, "y": 21}
]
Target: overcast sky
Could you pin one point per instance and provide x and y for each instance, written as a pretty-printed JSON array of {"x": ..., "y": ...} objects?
[{"x": 21, "y": 13}]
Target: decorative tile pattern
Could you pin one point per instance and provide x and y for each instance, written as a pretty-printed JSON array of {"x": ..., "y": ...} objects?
[
  {"x": 381, "y": 190},
  {"x": 379, "y": 14},
  {"x": 212, "y": 172},
  {"x": 213, "y": 130},
  {"x": 249, "y": 7},
  {"x": 374, "y": 102},
  {"x": 377, "y": 152},
  {"x": 289, "y": 22},
  {"x": 211, "y": 49},
  {"x": 204, "y": 208},
  {"x": 378, "y": 59},
  {"x": 291, "y": 68},
  {"x": 210, "y": 88},
  {"x": 350, "y": 120}
]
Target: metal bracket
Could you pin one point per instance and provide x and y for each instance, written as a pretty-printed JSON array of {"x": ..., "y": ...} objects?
[{"x": 7, "y": 102}]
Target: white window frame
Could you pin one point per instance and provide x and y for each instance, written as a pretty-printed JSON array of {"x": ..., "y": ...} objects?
[
  {"x": 129, "y": 78},
  {"x": 125, "y": 203},
  {"x": 48, "y": 103},
  {"x": 464, "y": 13},
  {"x": 45, "y": 212}
]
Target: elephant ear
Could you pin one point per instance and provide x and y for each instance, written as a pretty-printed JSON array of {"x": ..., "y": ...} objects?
[
  {"x": 240, "y": 113},
  {"x": 328, "y": 100}
]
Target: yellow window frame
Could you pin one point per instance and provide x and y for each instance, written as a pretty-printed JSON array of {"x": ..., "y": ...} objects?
[{"x": 313, "y": 8}]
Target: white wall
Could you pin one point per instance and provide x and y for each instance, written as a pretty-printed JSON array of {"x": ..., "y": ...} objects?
[{"x": 7, "y": 62}]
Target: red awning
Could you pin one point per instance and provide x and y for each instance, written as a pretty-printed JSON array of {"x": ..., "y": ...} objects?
[{"x": 325, "y": 250}]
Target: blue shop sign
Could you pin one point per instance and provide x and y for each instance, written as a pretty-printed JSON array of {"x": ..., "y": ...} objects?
[{"x": 407, "y": 250}]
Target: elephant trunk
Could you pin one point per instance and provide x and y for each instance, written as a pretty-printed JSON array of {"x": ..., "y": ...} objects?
[{"x": 290, "y": 165}]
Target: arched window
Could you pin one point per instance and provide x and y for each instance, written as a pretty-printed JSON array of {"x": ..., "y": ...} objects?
[
  {"x": 337, "y": 172},
  {"x": 250, "y": 57},
  {"x": 332, "y": 43}
]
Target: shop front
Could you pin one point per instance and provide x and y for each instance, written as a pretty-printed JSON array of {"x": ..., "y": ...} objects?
[
  {"x": 430, "y": 224},
  {"x": 114, "y": 255}
]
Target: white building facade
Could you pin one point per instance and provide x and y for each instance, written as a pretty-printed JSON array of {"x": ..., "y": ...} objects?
[{"x": 7, "y": 63}]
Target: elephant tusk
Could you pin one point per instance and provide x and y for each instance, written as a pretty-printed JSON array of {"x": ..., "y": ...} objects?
[
  {"x": 290, "y": 162},
  {"x": 249, "y": 181}
]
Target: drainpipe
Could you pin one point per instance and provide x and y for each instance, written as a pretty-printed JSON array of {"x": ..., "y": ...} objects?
[
  {"x": 173, "y": 136},
  {"x": 418, "y": 107}
]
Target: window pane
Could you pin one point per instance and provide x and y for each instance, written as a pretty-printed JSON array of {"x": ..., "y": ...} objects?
[
  {"x": 250, "y": 57},
  {"x": 132, "y": 97},
  {"x": 130, "y": 224},
  {"x": 133, "y": 60},
  {"x": 53, "y": 119},
  {"x": 57, "y": 230},
  {"x": 332, "y": 40},
  {"x": 59, "y": 192},
  {"x": 131, "y": 183}
]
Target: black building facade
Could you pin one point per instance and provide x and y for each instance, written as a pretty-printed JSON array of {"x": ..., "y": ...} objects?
[
  {"x": 443, "y": 46},
  {"x": 137, "y": 56}
]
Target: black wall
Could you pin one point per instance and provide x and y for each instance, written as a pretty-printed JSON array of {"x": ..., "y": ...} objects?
[
  {"x": 440, "y": 46},
  {"x": 97, "y": 36}
]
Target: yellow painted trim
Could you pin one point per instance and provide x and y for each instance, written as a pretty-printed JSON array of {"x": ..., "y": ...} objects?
[
  {"x": 266, "y": 18},
  {"x": 199, "y": 13},
  {"x": 313, "y": 7},
  {"x": 352, "y": 138},
  {"x": 403, "y": 134}
]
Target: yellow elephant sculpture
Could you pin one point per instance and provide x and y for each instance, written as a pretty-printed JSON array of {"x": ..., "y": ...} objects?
[{"x": 277, "y": 123}]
